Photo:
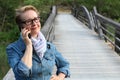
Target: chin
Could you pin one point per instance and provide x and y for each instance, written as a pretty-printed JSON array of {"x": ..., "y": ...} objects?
[{"x": 35, "y": 31}]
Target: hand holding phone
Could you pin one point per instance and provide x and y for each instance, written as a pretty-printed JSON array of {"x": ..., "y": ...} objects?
[{"x": 26, "y": 36}]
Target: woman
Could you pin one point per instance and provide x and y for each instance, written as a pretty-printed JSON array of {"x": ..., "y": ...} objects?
[{"x": 31, "y": 57}]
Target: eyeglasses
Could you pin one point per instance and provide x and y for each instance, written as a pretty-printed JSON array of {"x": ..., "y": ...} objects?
[{"x": 31, "y": 21}]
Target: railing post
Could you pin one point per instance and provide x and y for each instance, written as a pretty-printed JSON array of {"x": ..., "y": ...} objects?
[
  {"x": 92, "y": 21},
  {"x": 74, "y": 10},
  {"x": 98, "y": 25},
  {"x": 88, "y": 16},
  {"x": 117, "y": 41}
]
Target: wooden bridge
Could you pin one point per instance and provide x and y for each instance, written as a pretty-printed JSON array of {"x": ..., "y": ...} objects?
[{"x": 90, "y": 57}]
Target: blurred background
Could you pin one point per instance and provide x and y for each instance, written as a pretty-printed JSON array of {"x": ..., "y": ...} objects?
[{"x": 9, "y": 31}]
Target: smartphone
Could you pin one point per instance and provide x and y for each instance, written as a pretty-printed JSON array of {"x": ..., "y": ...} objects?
[{"x": 29, "y": 35}]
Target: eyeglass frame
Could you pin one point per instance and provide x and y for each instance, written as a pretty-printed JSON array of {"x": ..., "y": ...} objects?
[{"x": 31, "y": 21}]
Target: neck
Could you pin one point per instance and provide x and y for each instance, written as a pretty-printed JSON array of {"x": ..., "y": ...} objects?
[{"x": 34, "y": 35}]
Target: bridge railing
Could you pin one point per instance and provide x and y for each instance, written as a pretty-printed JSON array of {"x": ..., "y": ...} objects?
[
  {"x": 48, "y": 27},
  {"x": 82, "y": 14},
  {"x": 110, "y": 29},
  {"x": 48, "y": 32},
  {"x": 107, "y": 29}
]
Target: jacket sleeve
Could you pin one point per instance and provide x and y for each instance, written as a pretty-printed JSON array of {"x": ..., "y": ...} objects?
[
  {"x": 62, "y": 64},
  {"x": 19, "y": 68}
]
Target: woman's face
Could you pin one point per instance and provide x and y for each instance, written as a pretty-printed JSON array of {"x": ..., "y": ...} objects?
[{"x": 31, "y": 21}]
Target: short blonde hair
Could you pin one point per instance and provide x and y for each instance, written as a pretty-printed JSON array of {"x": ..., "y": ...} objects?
[{"x": 21, "y": 10}]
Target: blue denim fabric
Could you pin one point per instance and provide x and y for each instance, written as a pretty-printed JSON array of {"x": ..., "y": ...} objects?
[{"x": 41, "y": 69}]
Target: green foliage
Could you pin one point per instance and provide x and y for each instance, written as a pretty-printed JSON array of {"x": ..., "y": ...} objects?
[
  {"x": 4, "y": 67},
  {"x": 107, "y": 8},
  {"x": 5, "y": 39},
  {"x": 7, "y": 14}
]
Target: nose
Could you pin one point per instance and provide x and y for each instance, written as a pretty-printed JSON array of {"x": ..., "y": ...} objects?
[{"x": 33, "y": 22}]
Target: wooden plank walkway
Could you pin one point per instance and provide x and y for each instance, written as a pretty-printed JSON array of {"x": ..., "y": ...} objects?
[{"x": 90, "y": 58}]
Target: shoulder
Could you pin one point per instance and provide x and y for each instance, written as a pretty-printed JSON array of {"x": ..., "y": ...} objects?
[
  {"x": 11, "y": 48},
  {"x": 11, "y": 45},
  {"x": 17, "y": 45}
]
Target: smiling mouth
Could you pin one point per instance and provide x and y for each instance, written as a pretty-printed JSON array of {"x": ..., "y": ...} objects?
[{"x": 33, "y": 28}]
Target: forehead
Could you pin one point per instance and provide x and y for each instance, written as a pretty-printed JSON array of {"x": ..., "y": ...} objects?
[{"x": 30, "y": 14}]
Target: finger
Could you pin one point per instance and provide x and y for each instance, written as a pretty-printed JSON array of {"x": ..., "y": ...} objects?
[
  {"x": 27, "y": 32},
  {"x": 24, "y": 32}
]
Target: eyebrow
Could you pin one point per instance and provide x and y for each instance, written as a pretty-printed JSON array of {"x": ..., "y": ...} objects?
[{"x": 30, "y": 19}]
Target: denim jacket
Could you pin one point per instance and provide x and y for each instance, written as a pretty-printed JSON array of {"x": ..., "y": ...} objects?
[{"x": 41, "y": 69}]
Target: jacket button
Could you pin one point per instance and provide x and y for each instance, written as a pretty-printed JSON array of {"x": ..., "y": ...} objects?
[{"x": 48, "y": 46}]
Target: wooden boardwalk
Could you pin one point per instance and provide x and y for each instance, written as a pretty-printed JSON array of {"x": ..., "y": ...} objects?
[{"x": 90, "y": 58}]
